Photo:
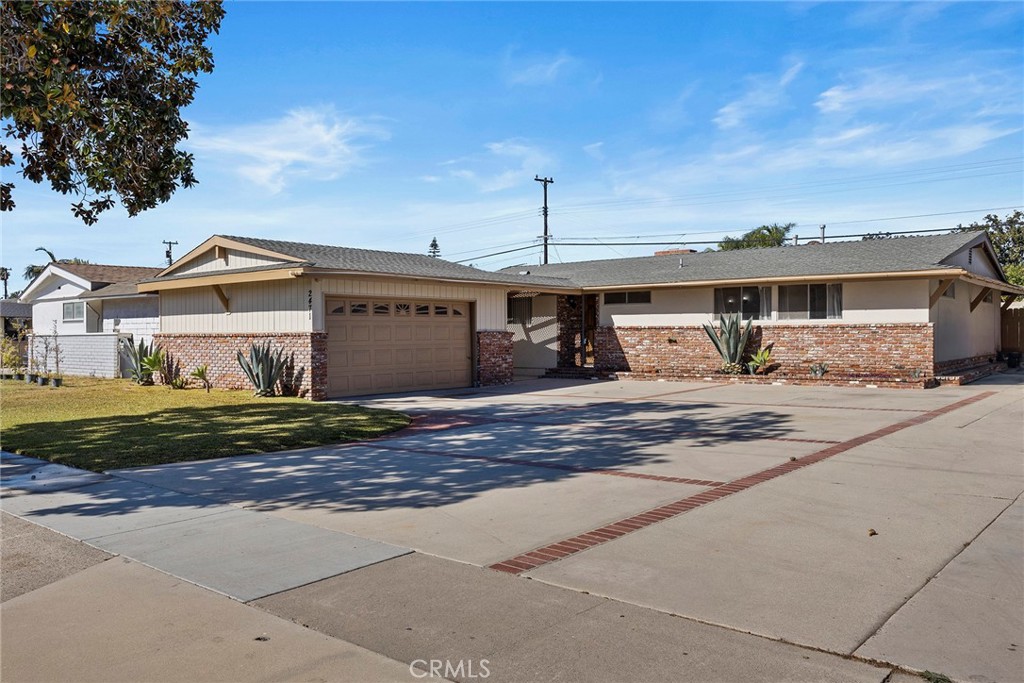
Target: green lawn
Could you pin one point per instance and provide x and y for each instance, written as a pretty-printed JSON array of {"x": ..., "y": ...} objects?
[{"x": 100, "y": 424}]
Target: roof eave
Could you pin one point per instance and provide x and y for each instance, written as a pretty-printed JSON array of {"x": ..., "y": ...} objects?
[
  {"x": 783, "y": 279},
  {"x": 532, "y": 286},
  {"x": 227, "y": 277}
]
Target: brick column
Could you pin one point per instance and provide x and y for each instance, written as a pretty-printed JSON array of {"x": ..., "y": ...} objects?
[
  {"x": 569, "y": 315},
  {"x": 494, "y": 357}
]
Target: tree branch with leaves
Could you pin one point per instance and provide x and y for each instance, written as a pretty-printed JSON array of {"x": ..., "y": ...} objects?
[{"x": 93, "y": 93}]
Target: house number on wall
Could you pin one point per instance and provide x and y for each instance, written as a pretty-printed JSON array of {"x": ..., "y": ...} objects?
[{"x": 310, "y": 301}]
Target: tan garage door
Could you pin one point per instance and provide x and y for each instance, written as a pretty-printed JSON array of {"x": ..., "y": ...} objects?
[{"x": 376, "y": 345}]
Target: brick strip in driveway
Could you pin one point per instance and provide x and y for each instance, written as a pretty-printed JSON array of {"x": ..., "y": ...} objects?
[{"x": 570, "y": 546}]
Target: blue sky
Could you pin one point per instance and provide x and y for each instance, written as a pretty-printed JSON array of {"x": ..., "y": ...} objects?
[{"x": 382, "y": 125}]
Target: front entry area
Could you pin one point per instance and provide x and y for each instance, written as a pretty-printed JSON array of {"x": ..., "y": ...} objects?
[{"x": 378, "y": 345}]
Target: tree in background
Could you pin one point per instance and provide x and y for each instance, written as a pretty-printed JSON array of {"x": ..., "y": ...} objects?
[
  {"x": 773, "y": 235},
  {"x": 434, "y": 251},
  {"x": 5, "y": 275},
  {"x": 32, "y": 271},
  {"x": 93, "y": 91},
  {"x": 1007, "y": 235}
]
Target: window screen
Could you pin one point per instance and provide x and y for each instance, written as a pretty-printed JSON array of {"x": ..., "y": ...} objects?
[
  {"x": 520, "y": 311},
  {"x": 814, "y": 302}
]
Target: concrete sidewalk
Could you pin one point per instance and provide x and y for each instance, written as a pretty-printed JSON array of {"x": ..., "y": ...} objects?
[
  {"x": 242, "y": 554},
  {"x": 117, "y": 620}
]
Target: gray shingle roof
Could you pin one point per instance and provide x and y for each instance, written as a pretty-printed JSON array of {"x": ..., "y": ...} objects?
[
  {"x": 12, "y": 308},
  {"x": 389, "y": 263},
  {"x": 906, "y": 254},
  {"x": 100, "y": 274}
]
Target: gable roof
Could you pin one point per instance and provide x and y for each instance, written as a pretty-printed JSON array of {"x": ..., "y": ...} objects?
[
  {"x": 322, "y": 258},
  {"x": 900, "y": 255},
  {"x": 97, "y": 279}
]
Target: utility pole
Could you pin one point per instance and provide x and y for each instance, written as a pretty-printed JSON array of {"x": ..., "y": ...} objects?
[
  {"x": 823, "y": 233},
  {"x": 546, "y": 182},
  {"x": 170, "y": 259}
]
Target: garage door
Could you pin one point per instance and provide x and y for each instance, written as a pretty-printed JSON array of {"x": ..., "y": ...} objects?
[{"x": 376, "y": 345}]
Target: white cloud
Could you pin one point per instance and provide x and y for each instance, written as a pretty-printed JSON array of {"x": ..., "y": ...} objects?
[
  {"x": 493, "y": 173},
  {"x": 886, "y": 88},
  {"x": 538, "y": 70},
  {"x": 595, "y": 150},
  {"x": 315, "y": 143},
  {"x": 764, "y": 93}
]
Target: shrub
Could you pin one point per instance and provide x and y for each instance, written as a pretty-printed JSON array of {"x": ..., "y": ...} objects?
[
  {"x": 730, "y": 341},
  {"x": 136, "y": 355},
  {"x": 760, "y": 361},
  {"x": 263, "y": 367},
  {"x": 200, "y": 374}
]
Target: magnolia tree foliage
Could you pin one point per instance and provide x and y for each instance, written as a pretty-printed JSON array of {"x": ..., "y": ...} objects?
[
  {"x": 92, "y": 95},
  {"x": 1007, "y": 235}
]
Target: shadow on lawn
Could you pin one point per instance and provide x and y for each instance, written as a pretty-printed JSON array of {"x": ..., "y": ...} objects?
[
  {"x": 195, "y": 433},
  {"x": 418, "y": 470}
]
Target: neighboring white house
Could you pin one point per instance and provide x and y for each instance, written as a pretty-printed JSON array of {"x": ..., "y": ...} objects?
[{"x": 90, "y": 307}]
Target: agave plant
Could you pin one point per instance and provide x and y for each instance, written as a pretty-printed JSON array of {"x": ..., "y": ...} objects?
[
  {"x": 137, "y": 355},
  {"x": 263, "y": 367},
  {"x": 760, "y": 361},
  {"x": 201, "y": 373},
  {"x": 730, "y": 341},
  {"x": 154, "y": 364}
]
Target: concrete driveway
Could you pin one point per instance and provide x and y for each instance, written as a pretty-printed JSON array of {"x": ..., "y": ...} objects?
[{"x": 882, "y": 524}]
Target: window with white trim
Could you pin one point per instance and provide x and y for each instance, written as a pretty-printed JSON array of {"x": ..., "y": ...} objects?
[
  {"x": 810, "y": 302},
  {"x": 74, "y": 312}
]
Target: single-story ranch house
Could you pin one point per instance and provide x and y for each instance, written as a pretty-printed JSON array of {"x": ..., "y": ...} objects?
[
  {"x": 93, "y": 307},
  {"x": 357, "y": 321}
]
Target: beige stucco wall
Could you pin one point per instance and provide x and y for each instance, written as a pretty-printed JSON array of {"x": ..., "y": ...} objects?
[
  {"x": 885, "y": 301},
  {"x": 976, "y": 261},
  {"x": 535, "y": 345},
  {"x": 297, "y": 304},
  {"x": 207, "y": 262},
  {"x": 960, "y": 332}
]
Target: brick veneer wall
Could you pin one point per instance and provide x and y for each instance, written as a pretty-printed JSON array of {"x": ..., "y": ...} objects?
[
  {"x": 851, "y": 351},
  {"x": 494, "y": 357},
  {"x": 569, "y": 313},
  {"x": 951, "y": 367},
  {"x": 306, "y": 352}
]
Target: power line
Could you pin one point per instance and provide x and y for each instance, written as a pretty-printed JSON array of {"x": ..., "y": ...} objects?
[
  {"x": 793, "y": 186},
  {"x": 704, "y": 242},
  {"x": 497, "y": 253},
  {"x": 747, "y": 229}
]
